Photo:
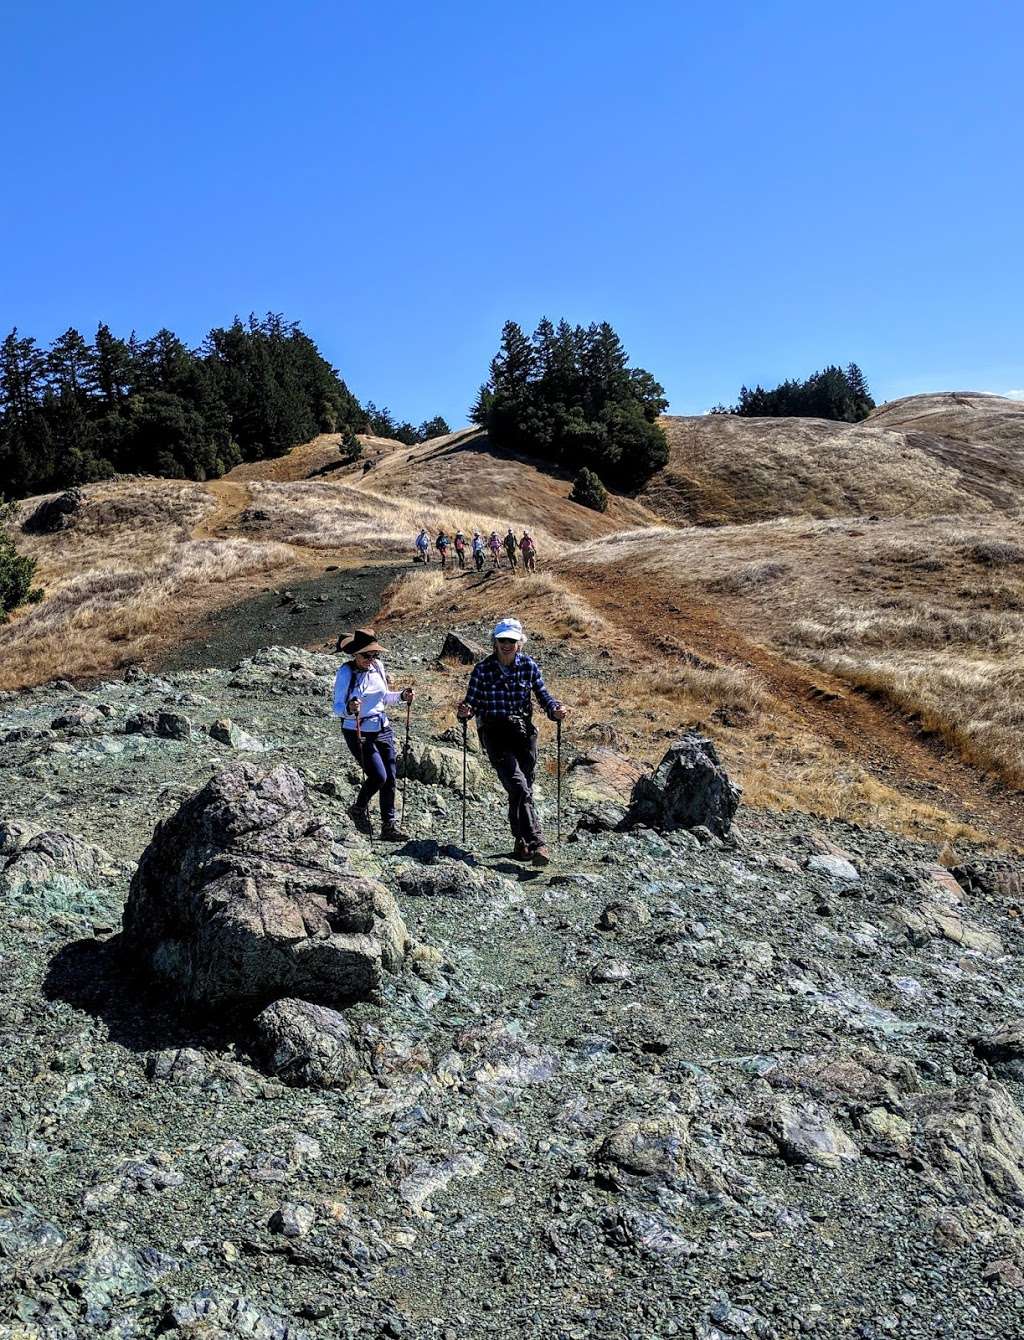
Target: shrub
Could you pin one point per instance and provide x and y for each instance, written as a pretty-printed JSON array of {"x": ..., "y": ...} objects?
[
  {"x": 16, "y": 570},
  {"x": 588, "y": 491}
]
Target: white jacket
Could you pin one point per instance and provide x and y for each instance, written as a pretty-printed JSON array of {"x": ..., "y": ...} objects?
[{"x": 371, "y": 688}]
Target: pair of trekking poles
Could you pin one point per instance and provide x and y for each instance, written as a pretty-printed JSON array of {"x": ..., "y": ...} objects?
[{"x": 465, "y": 767}]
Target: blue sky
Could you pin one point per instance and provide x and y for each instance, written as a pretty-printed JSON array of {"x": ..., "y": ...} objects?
[{"x": 745, "y": 190}]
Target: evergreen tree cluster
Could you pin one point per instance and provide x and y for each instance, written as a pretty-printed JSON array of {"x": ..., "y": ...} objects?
[
  {"x": 568, "y": 395},
  {"x": 833, "y": 393},
  {"x": 81, "y": 410},
  {"x": 382, "y": 423}
]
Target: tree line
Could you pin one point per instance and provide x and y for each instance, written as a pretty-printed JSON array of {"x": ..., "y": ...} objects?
[
  {"x": 834, "y": 393},
  {"x": 83, "y": 410}
]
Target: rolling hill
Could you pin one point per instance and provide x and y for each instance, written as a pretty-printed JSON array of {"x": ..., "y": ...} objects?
[{"x": 928, "y": 455}]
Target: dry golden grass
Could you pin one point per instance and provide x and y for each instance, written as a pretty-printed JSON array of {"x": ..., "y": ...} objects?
[
  {"x": 927, "y": 613},
  {"x": 320, "y": 516},
  {"x": 925, "y": 455},
  {"x": 119, "y": 582}
]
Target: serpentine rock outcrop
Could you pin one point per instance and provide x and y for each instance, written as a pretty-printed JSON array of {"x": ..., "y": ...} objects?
[{"x": 242, "y": 897}]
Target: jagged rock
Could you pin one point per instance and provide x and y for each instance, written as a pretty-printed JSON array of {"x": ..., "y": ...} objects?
[
  {"x": 52, "y": 872},
  {"x": 14, "y": 834},
  {"x": 834, "y": 867},
  {"x": 1001, "y": 878},
  {"x": 449, "y": 879},
  {"x": 889, "y": 1133},
  {"x": 456, "y": 648},
  {"x": 229, "y": 1317},
  {"x": 162, "y": 725},
  {"x": 689, "y": 788},
  {"x": 628, "y": 915},
  {"x": 864, "y": 1077},
  {"x": 82, "y": 719},
  {"x": 212, "y": 1074},
  {"x": 427, "y": 1179},
  {"x": 805, "y": 1133},
  {"x": 241, "y": 897},
  {"x": 650, "y": 1146},
  {"x": 940, "y": 916},
  {"x": 227, "y": 732},
  {"x": 971, "y": 1140},
  {"x": 292, "y": 1221},
  {"x": 1003, "y": 1049},
  {"x": 306, "y": 1045},
  {"x": 601, "y": 777},
  {"x": 645, "y": 1234},
  {"x": 54, "y": 514},
  {"x": 436, "y": 766}
]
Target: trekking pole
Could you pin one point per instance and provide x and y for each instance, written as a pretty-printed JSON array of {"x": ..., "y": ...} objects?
[
  {"x": 558, "y": 783},
  {"x": 464, "y": 748},
  {"x": 405, "y": 768}
]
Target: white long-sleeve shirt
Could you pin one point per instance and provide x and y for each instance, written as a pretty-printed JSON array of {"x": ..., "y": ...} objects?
[{"x": 371, "y": 688}]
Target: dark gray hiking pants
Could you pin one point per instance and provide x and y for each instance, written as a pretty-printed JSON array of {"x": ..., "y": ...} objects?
[{"x": 513, "y": 757}]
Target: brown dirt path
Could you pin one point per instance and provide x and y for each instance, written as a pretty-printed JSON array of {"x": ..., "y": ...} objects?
[
  {"x": 230, "y": 501},
  {"x": 879, "y": 738}
]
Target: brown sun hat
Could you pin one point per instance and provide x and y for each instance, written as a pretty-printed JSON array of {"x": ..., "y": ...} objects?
[{"x": 360, "y": 640}]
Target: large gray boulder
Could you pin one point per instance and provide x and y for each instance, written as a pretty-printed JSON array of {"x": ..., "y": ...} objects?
[
  {"x": 689, "y": 789},
  {"x": 242, "y": 897}
]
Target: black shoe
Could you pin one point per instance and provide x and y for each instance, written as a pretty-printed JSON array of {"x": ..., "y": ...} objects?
[
  {"x": 520, "y": 852},
  {"x": 393, "y": 834},
  {"x": 361, "y": 819}
]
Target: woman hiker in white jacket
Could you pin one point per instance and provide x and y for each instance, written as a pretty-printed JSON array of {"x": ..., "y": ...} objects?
[{"x": 361, "y": 694}]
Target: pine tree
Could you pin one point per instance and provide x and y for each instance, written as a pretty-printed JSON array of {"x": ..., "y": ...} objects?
[{"x": 436, "y": 427}]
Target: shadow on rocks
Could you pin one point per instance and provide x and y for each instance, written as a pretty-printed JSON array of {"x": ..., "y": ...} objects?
[{"x": 100, "y": 978}]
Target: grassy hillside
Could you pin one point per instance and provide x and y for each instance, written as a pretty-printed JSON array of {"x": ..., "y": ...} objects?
[{"x": 922, "y": 456}]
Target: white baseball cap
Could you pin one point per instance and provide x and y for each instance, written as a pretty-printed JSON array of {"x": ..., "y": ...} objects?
[{"x": 509, "y": 628}]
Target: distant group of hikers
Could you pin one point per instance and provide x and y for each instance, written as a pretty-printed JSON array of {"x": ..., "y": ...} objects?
[
  {"x": 524, "y": 549},
  {"x": 499, "y": 695}
]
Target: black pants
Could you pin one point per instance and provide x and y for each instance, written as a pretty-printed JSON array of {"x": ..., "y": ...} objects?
[
  {"x": 376, "y": 757},
  {"x": 511, "y": 556},
  {"x": 513, "y": 757},
  {"x": 478, "y": 559},
  {"x": 460, "y": 554}
]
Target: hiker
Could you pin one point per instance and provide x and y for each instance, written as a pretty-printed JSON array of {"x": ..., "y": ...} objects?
[
  {"x": 441, "y": 544},
  {"x": 423, "y": 545},
  {"x": 529, "y": 552},
  {"x": 494, "y": 545},
  {"x": 510, "y": 547},
  {"x": 478, "y": 551},
  {"x": 500, "y": 696},
  {"x": 460, "y": 548},
  {"x": 361, "y": 694}
]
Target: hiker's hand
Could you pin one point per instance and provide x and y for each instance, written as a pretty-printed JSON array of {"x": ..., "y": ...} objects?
[
  {"x": 354, "y": 704},
  {"x": 408, "y": 695},
  {"x": 558, "y": 714},
  {"x": 463, "y": 711}
]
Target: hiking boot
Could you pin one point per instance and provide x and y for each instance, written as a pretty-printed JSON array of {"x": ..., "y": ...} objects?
[
  {"x": 541, "y": 855},
  {"x": 361, "y": 819},
  {"x": 391, "y": 833},
  {"x": 520, "y": 852}
]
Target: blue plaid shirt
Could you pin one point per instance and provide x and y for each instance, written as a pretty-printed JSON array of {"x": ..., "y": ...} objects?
[{"x": 496, "y": 692}]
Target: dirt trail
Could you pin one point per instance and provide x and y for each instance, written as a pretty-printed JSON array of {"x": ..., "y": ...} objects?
[
  {"x": 875, "y": 735},
  {"x": 230, "y": 501}
]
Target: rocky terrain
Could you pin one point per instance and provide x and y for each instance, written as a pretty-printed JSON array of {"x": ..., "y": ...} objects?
[{"x": 765, "y": 1081}]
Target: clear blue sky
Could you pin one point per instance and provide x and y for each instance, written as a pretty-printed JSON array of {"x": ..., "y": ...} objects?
[{"x": 746, "y": 190}]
